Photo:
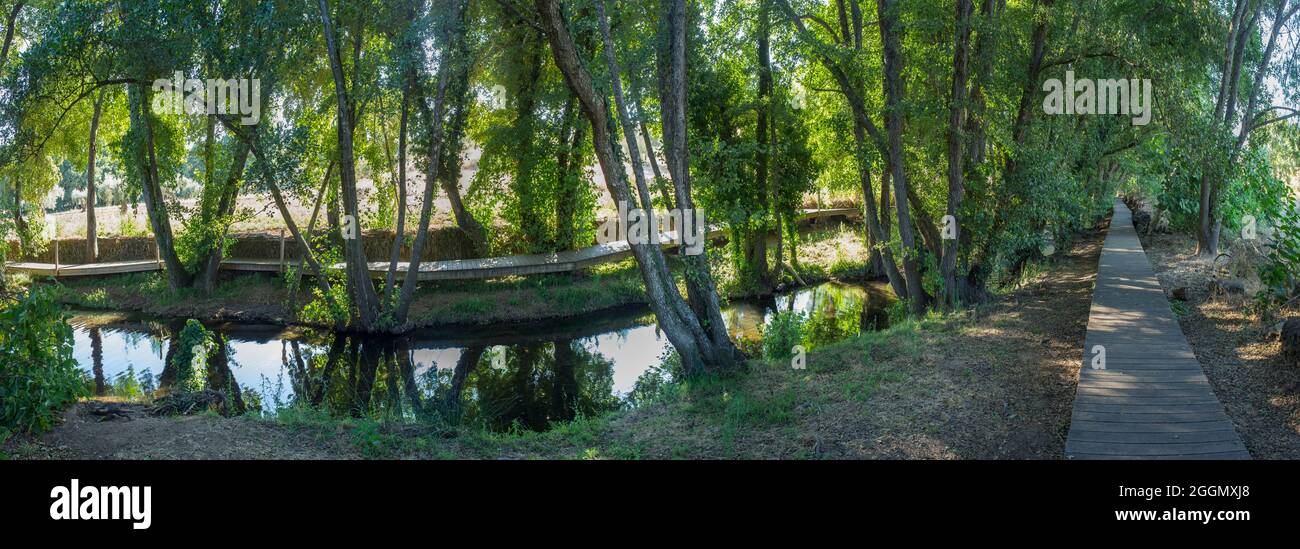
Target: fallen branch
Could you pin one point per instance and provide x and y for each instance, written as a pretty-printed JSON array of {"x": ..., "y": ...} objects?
[{"x": 184, "y": 404}]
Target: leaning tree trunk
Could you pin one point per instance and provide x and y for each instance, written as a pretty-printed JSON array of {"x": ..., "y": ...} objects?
[
  {"x": 365, "y": 299},
  {"x": 683, "y": 329},
  {"x": 151, "y": 188},
  {"x": 450, "y": 62},
  {"x": 225, "y": 208},
  {"x": 268, "y": 179},
  {"x": 863, "y": 127},
  {"x": 661, "y": 182},
  {"x": 700, "y": 290},
  {"x": 458, "y": 105},
  {"x": 395, "y": 253}
]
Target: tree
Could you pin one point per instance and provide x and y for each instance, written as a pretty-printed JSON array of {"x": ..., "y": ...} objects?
[
  {"x": 92, "y": 235},
  {"x": 1236, "y": 64},
  {"x": 698, "y": 350},
  {"x": 956, "y": 154}
]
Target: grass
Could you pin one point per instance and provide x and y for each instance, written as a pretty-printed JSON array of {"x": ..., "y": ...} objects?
[
  {"x": 989, "y": 382},
  {"x": 758, "y": 400}
]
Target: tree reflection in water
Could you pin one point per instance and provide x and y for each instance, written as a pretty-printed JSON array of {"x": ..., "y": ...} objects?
[
  {"x": 504, "y": 388},
  {"x": 527, "y": 377}
]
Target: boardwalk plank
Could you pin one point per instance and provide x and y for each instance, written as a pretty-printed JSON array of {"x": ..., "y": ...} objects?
[{"x": 1152, "y": 400}]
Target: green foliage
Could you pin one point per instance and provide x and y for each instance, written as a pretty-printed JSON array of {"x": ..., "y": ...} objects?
[
  {"x": 38, "y": 375},
  {"x": 190, "y": 361},
  {"x": 1281, "y": 273},
  {"x": 782, "y": 333}
]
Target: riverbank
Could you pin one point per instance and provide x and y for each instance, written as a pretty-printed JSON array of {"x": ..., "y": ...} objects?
[
  {"x": 1240, "y": 355},
  {"x": 828, "y": 253},
  {"x": 993, "y": 382}
]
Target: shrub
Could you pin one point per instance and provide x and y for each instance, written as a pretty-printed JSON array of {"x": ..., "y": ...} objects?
[
  {"x": 1279, "y": 272},
  {"x": 191, "y": 357},
  {"x": 781, "y": 333},
  {"x": 38, "y": 375}
]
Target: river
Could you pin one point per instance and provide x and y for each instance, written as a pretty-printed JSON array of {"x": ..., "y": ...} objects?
[{"x": 504, "y": 377}]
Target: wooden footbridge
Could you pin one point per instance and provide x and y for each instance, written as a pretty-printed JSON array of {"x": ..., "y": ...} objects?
[
  {"x": 458, "y": 269},
  {"x": 1142, "y": 393}
]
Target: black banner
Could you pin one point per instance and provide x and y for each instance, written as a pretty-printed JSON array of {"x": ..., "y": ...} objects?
[{"x": 322, "y": 499}]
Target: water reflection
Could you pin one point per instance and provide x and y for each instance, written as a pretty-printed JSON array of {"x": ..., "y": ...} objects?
[{"x": 501, "y": 377}]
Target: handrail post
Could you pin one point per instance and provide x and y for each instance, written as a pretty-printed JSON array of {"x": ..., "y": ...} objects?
[
  {"x": 157, "y": 254},
  {"x": 56, "y": 257}
]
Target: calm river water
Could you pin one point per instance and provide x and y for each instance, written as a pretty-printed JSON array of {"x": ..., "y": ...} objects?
[{"x": 510, "y": 376}]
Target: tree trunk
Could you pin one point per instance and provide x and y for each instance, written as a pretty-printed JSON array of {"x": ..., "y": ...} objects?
[
  {"x": 569, "y": 174},
  {"x": 985, "y": 45},
  {"x": 395, "y": 254},
  {"x": 151, "y": 188},
  {"x": 661, "y": 182},
  {"x": 956, "y": 175},
  {"x": 225, "y": 208},
  {"x": 624, "y": 120},
  {"x": 765, "y": 188},
  {"x": 11, "y": 25},
  {"x": 268, "y": 179},
  {"x": 524, "y": 180},
  {"x": 893, "y": 83},
  {"x": 683, "y": 329},
  {"x": 365, "y": 300},
  {"x": 435, "y": 120},
  {"x": 878, "y": 230},
  {"x": 20, "y": 225},
  {"x": 700, "y": 289},
  {"x": 92, "y": 233},
  {"x": 458, "y": 105},
  {"x": 865, "y": 134}
]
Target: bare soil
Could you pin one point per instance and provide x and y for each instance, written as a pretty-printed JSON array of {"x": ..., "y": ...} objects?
[
  {"x": 1240, "y": 354},
  {"x": 83, "y": 435}
]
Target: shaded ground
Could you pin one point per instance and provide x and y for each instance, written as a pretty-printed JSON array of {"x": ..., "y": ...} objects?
[
  {"x": 1240, "y": 355},
  {"x": 997, "y": 383},
  {"x": 994, "y": 383},
  {"x": 85, "y": 436}
]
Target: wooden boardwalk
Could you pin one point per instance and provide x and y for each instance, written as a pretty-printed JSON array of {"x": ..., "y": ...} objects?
[
  {"x": 457, "y": 269},
  {"x": 1151, "y": 400}
]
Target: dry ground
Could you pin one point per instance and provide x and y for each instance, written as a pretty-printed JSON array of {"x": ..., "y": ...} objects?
[
  {"x": 264, "y": 217},
  {"x": 1240, "y": 355},
  {"x": 84, "y": 436},
  {"x": 996, "y": 383}
]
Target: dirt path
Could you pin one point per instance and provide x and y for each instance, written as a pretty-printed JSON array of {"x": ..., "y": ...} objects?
[
  {"x": 1240, "y": 356},
  {"x": 84, "y": 436}
]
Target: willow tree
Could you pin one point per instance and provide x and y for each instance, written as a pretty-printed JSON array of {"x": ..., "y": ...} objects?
[{"x": 693, "y": 335}]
